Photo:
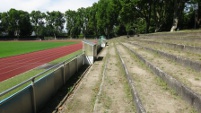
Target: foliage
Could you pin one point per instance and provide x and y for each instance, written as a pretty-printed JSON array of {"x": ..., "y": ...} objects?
[
  {"x": 55, "y": 22},
  {"x": 38, "y": 22},
  {"x": 16, "y": 22},
  {"x": 106, "y": 17}
]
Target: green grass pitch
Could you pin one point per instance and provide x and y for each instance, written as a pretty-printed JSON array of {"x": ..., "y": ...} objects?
[{"x": 11, "y": 48}]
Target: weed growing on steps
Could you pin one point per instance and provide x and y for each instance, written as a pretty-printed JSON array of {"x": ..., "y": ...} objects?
[
  {"x": 127, "y": 88},
  {"x": 179, "y": 73},
  {"x": 158, "y": 80},
  {"x": 97, "y": 86},
  {"x": 197, "y": 79},
  {"x": 164, "y": 86}
]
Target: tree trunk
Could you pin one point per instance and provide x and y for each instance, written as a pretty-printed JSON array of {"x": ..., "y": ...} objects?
[
  {"x": 148, "y": 18},
  {"x": 178, "y": 10},
  {"x": 157, "y": 16},
  {"x": 175, "y": 23},
  {"x": 175, "y": 17},
  {"x": 147, "y": 25}
]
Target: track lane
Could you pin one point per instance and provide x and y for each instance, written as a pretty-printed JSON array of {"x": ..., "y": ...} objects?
[
  {"x": 12, "y": 66},
  {"x": 33, "y": 54},
  {"x": 38, "y": 61},
  {"x": 8, "y": 66}
]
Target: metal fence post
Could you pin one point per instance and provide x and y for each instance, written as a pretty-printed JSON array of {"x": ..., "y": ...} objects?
[
  {"x": 33, "y": 94},
  {"x": 77, "y": 63},
  {"x": 64, "y": 73},
  {"x": 69, "y": 68},
  {"x": 83, "y": 59}
]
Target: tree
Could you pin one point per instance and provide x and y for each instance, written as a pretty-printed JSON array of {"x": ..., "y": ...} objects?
[
  {"x": 161, "y": 13},
  {"x": 92, "y": 21},
  {"x": 106, "y": 16},
  {"x": 144, "y": 9},
  {"x": 13, "y": 22},
  {"x": 71, "y": 23},
  {"x": 1, "y": 27},
  {"x": 197, "y": 11},
  {"x": 4, "y": 22},
  {"x": 178, "y": 11},
  {"x": 38, "y": 22},
  {"x": 101, "y": 17},
  {"x": 55, "y": 22},
  {"x": 25, "y": 27},
  {"x": 81, "y": 21},
  {"x": 127, "y": 15},
  {"x": 16, "y": 23}
]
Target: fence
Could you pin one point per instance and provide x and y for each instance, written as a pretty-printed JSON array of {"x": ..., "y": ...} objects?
[{"x": 34, "y": 96}]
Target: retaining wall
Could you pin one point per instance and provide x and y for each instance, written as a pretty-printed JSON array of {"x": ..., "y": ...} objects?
[
  {"x": 192, "y": 49},
  {"x": 34, "y": 97},
  {"x": 135, "y": 96},
  {"x": 190, "y": 96},
  {"x": 185, "y": 62}
]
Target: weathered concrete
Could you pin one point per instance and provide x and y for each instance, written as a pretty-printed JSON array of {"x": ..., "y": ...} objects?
[
  {"x": 136, "y": 99},
  {"x": 185, "y": 62},
  {"x": 190, "y": 96},
  {"x": 192, "y": 49}
]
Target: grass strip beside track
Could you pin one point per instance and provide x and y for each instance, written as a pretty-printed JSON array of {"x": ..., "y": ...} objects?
[
  {"x": 11, "y": 48},
  {"x": 25, "y": 76}
]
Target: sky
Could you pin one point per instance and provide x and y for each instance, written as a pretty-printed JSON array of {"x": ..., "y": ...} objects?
[{"x": 44, "y": 5}]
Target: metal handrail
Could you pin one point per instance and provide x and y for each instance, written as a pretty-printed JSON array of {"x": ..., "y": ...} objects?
[{"x": 33, "y": 78}]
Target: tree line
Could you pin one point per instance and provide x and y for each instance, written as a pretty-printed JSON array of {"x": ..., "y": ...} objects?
[{"x": 106, "y": 17}]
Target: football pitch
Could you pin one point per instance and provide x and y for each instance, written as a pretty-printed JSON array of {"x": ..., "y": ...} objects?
[{"x": 12, "y": 48}]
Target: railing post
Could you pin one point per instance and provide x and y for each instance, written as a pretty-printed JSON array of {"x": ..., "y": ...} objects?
[
  {"x": 77, "y": 63},
  {"x": 83, "y": 59},
  {"x": 69, "y": 68},
  {"x": 64, "y": 73},
  {"x": 33, "y": 94}
]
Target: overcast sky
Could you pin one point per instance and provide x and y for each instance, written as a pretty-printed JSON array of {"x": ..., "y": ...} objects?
[{"x": 44, "y": 5}]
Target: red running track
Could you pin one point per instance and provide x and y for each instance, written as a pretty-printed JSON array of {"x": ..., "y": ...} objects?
[{"x": 12, "y": 66}]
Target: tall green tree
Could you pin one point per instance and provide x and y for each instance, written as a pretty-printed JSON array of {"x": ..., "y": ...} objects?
[
  {"x": 92, "y": 28},
  {"x": 82, "y": 21},
  {"x": 71, "y": 23},
  {"x": 107, "y": 16},
  {"x": 162, "y": 9},
  {"x": 4, "y": 22},
  {"x": 55, "y": 22},
  {"x": 24, "y": 24},
  {"x": 101, "y": 17},
  {"x": 128, "y": 16},
  {"x": 178, "y": 7},
  {"x": 144, "y": 9},
  {"x": 38, "y": 22},
  {"x": 197, "y": 12},
  {"x": 16, "y": 22},
  {"x": 13, "y": 22},
  {"x": 1, "y": 27}
]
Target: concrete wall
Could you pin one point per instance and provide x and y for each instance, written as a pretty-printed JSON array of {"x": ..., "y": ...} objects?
[
  {"x": 190, "y": 96},
  {"x": 91, "y": 50},
  {"x": 34, "y": 97},
  {"x": 191, "y": 49},
  {"x": 183, "y": 61}
]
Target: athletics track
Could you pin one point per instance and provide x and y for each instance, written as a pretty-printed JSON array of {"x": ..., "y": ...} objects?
[{"x": 12, "y": 66}]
